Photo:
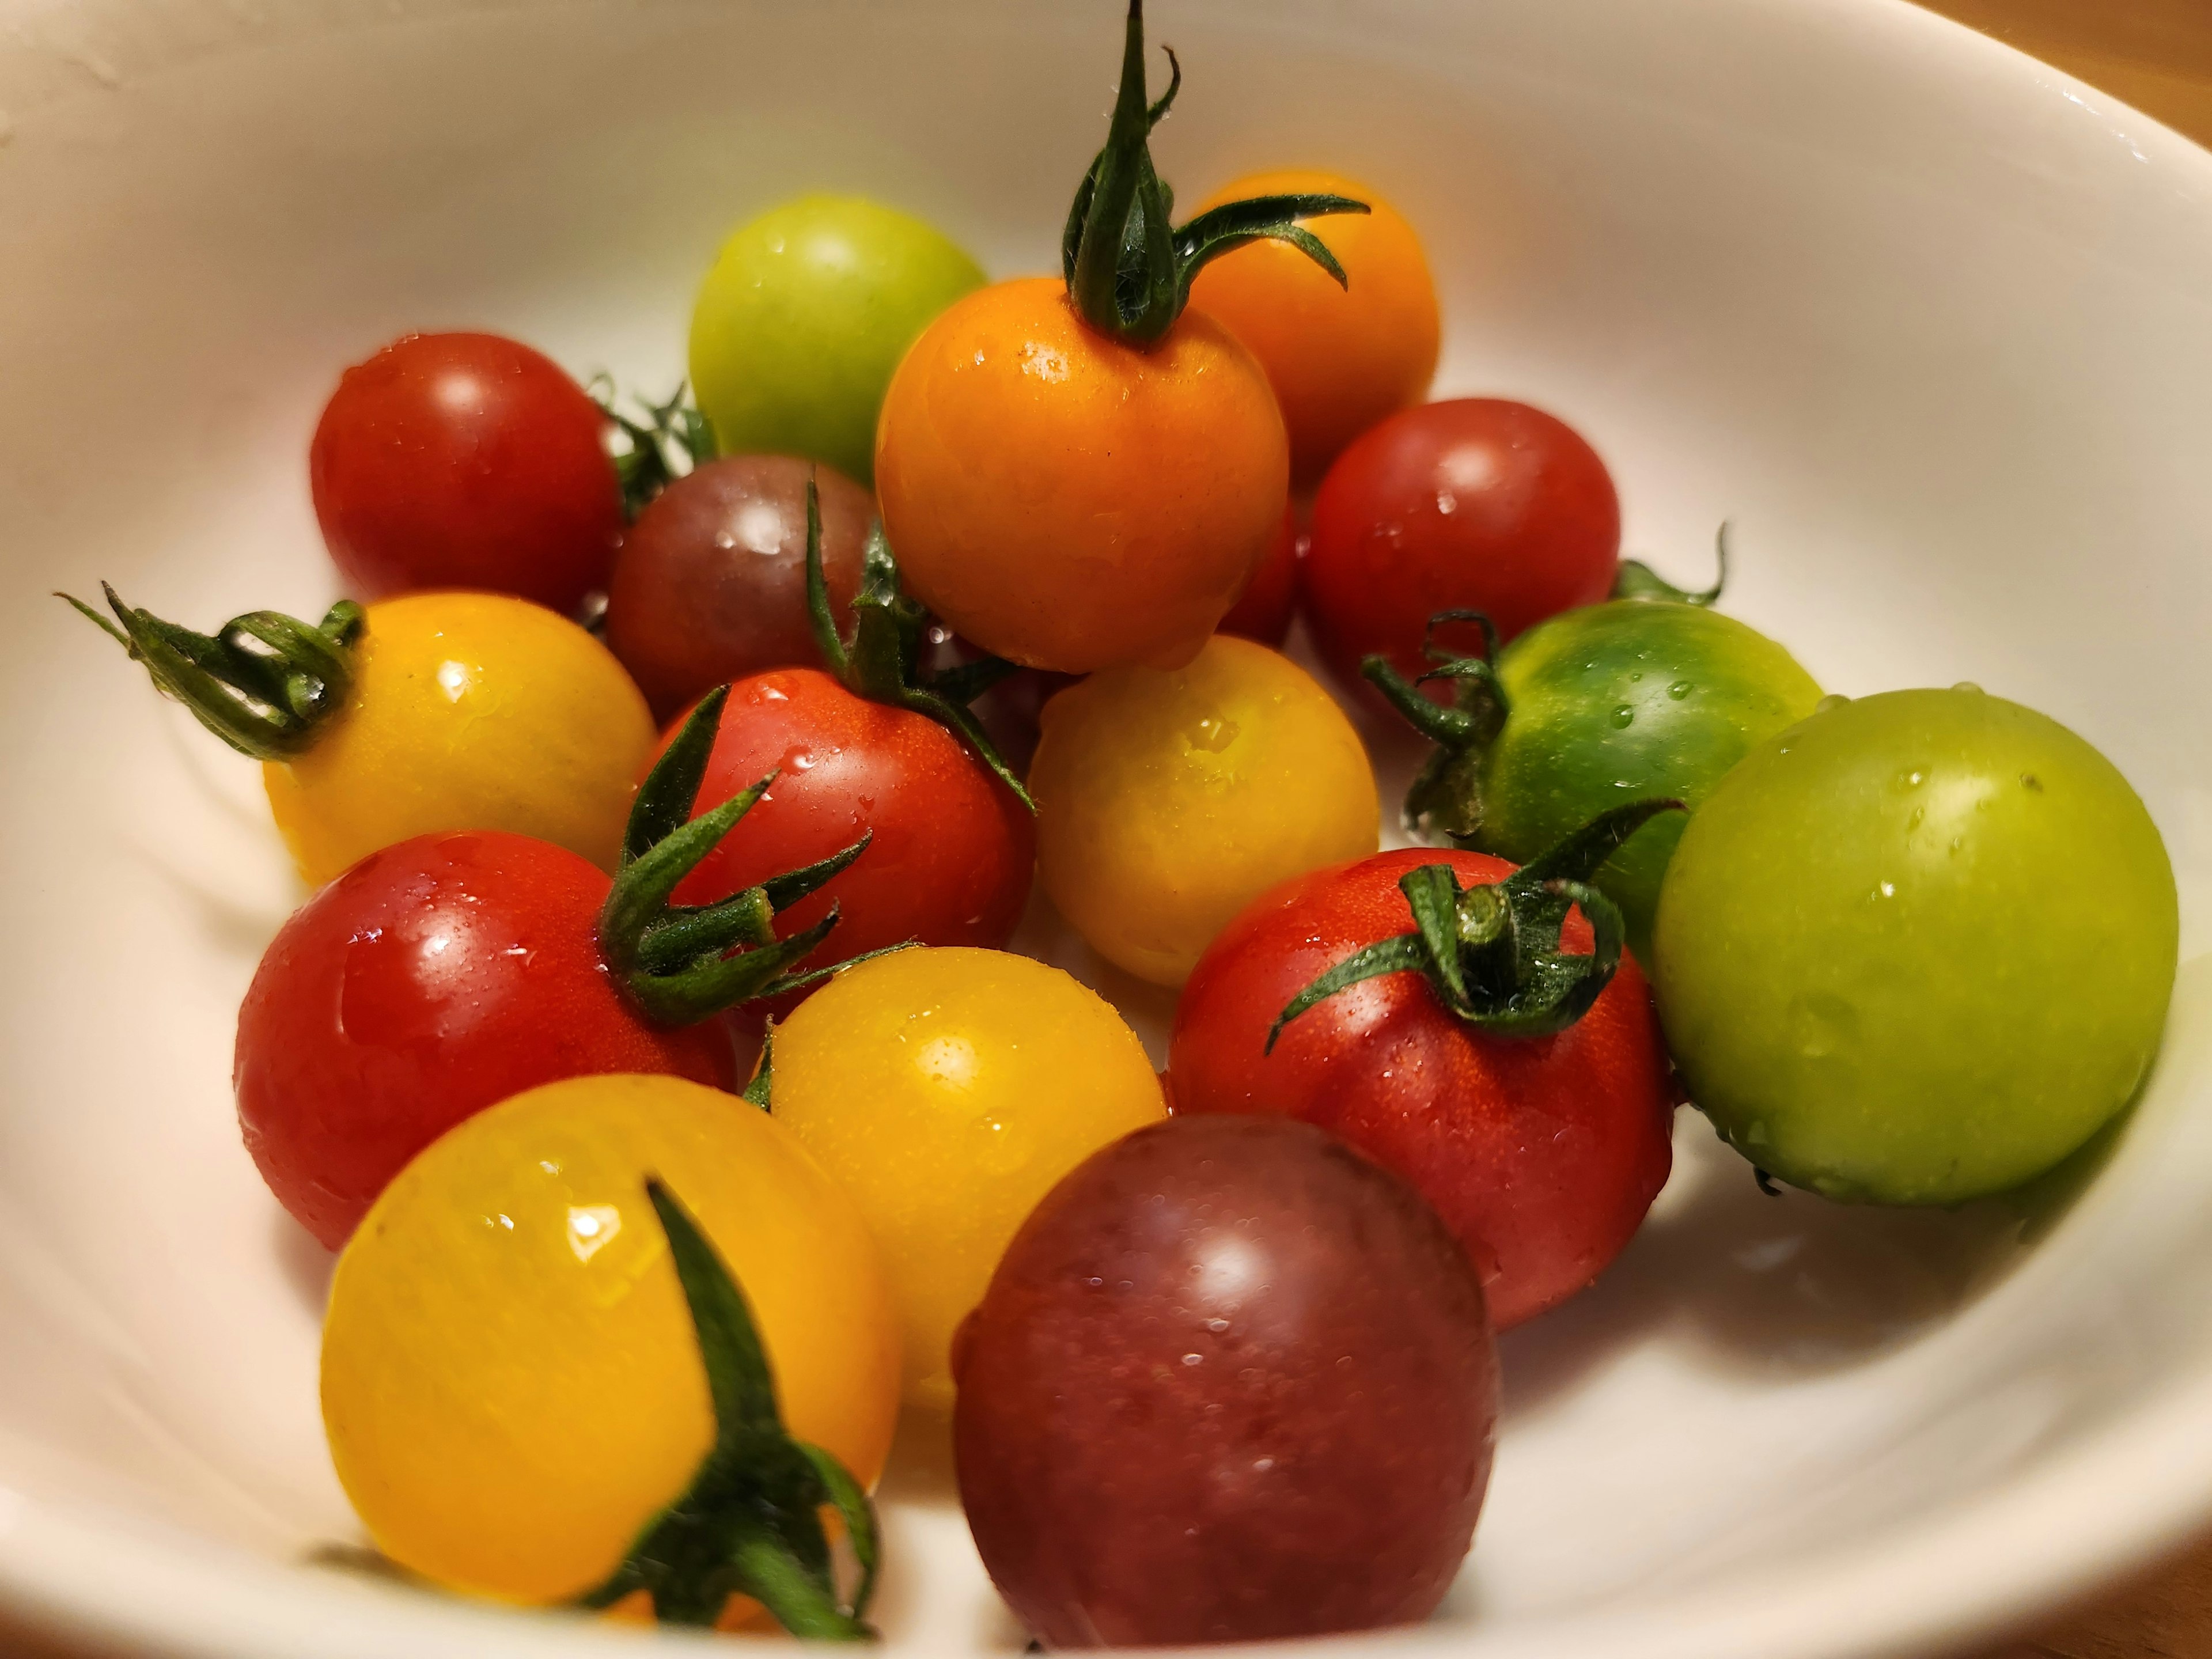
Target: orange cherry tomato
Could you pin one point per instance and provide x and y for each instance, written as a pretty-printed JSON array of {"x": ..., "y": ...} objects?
[
  {"x": 1339, "y": 358},
  {"x": 1069, "y": 501}
]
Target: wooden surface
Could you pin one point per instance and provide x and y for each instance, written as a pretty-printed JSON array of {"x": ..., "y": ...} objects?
[{"x": 2157, "y": 55}]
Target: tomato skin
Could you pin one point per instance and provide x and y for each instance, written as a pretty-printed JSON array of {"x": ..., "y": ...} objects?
[
  {"x": 432, "y": 980},
  {"x": 711, "y": 584},
  {"x": 953, "y": 849},
  {"x": 1277, "y": 1420},
  {"x": 1263, "y": 611},
  {"x": 1475, "y": 504},
  {"x": 511, "y": 1383},
  {"x": 465, "y": 460},
  {"x": 946, "y": 1090},
  {"x": 1070, "y": 503},
  {"x": 469, "y": 711},
  {"x": 1339, "y": 358},
  {"x": 807, "y": 311},
  {"x": 1923, "y": 950},
  {"x": 1541, "y": 1153}
]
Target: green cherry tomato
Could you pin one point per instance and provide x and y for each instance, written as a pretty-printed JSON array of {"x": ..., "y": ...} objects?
[
  {"x": 1917, "y": 949},
  {"x": 1615, "y": 702},
  {"x": 805, "y": 313}
]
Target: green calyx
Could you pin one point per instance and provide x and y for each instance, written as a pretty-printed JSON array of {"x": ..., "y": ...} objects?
[
  {"x": 1638, "y": 580},
  {"x": 681, "y": 963},
  {"x": 1492, "y": 954},
  {"x": 750, "y": 1524},
  {"x": 1128, "y": 270},
  {"x": 884, "y": 661},
  {"x": 672, "y": 440},
  {"x": 1446, "y": 796},
  {"x": 266, "y": 683}
]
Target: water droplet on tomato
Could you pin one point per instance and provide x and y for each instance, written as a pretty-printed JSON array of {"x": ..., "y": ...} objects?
[
  {"x": 1623, "y": 715},
  {"x": 1680, "y": 689}
]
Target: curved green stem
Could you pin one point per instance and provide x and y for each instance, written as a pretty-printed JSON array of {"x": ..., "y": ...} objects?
[
  {"x": 1447, "y": 795},
  {"x": 1638, "y": 580},
  {"x": 672, "y": 439}
]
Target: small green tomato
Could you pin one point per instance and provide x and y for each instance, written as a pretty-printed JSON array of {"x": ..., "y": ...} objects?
[
  {"x": 1917, "y": 949},
  {"x": 805, "y": 313}
]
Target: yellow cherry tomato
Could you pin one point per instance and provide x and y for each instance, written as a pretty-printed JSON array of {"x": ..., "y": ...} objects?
[
  {"x": 469, "y": 711},
  {"x": 1167, "y": 801},
  {"x": 512, "y": 1384},
  {"x": 948, "y": 1090}
]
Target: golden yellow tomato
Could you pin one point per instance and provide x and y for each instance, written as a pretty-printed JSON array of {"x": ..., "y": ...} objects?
[
  {"x": 468, "y": 711},
  {"x": 1167, "y": 801},
  {"x": 948, "y": 1090},
  {"x": 512, "y": 1384}
]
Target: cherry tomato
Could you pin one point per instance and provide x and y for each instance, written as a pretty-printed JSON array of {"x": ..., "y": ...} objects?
[
  {"x": 947, "y": 1091},
  {"x": 1917, "y": 948},
  {"x": 1270, "y": 599},
  {"x": 1473, "y": 505},
  {"x": 804, "y": 315},
  {"x": 1232, "y": 1382},
  {"x": 511, "y": 1381},
  {"x": 465, "y": 460},
  {"x": 433, "y": 978},
  {"x": 1167, "y": 801},
  {"x": 468, "y": 711},
  {"x": 952, "y": 852},
  {"x": 1069, "y": 501},
  {"x": 1542, "y": 1153},
  {"x": 711, "y": 585},
  {"x": 1339, "y": 357}
]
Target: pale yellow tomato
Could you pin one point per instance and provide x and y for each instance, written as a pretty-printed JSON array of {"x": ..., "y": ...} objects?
[
  {"x": 512, "y": 1384},
  {"x": 468, "y": 711},
  {"x": 1167, "y": 801},
  {"x": 948, "y": 1090}
]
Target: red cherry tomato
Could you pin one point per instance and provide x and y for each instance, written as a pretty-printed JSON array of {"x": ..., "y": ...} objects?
[
  {"x": 465, "y": 460},
  {"x": 1263, "y": 612},
  {"x": 1541, "y": 1153},
  {"x": 432, "y": 980},
  {"x": 1473, "y": 505},
  {"x": 953, "y": 849}
]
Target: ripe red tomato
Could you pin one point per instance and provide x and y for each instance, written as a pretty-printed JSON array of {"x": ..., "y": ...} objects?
[
  {"x": 1476, "y": 504},
  {"x": 1270, "y": 599},
  {"x": 950, "y": 860},
  {"x": 432, "y": 980},
  {"x": 1541, "y": 1153},
  {"x": 465, "y": 460}
]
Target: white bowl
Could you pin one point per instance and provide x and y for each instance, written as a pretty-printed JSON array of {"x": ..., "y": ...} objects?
[{"x": 1931, "y": 322}]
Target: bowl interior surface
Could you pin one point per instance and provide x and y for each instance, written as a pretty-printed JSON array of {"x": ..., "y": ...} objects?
[{"x": 1928, "y": 322}]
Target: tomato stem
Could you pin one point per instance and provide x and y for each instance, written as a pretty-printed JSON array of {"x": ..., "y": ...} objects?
[
  {"x": 671, "y": 432},
  {"x": 1638, "y": 580},
  {"x": 266, "y": 683},
  {"x": 884, "y": 661},
  {"x": 1446, "y": 796},
  {"x": 1128, "y": 270},
  {"x": 1491, "y": 953},
  {"x": 750, "y": 1522}
]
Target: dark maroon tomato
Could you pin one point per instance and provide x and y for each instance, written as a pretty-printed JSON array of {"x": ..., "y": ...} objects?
[
  {"x": 711, "y": 583},
  {"x": 1476, "y": 504},
  {"x": 1541, "y": 1152},
  {"x": 432, "y": 980},
  {"x": 1230, "y": 1381},
  {"x": 465, "y": 460},
  {"x": 1271, "y": 597}
]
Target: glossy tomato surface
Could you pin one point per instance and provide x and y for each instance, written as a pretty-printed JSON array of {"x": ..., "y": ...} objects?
[
  {"x": 1263, "y": 611},
  {"x": 465, "y": 460},
  {"x": 947, "y": 1091},
  {"x": 1542, "y": 1153},
  {"x": 1917, "y": 948},
  {"x": 711, "y": 585},
  {"x": 1070, "y": 503},
  {"x": 1475, "y": 504},
  {"x": 511, "y": 1381},
  {"x": 430, "y": 981},
  {"x": 1232, "y": 1380},
  {"x": 951, "y": 857}
]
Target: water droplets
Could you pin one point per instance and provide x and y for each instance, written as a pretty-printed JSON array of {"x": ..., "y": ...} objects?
[
  {"x": 1211, "y": 734},
  {"x": 1680, "y": 689},
  {"x": 1624, "y": 716}
]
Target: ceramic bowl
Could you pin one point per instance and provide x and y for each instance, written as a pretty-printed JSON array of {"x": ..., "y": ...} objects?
[{"x": 1928, "y": 321}]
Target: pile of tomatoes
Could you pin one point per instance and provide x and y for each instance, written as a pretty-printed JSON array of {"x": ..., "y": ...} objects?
[{"x": 672, "y": 784}]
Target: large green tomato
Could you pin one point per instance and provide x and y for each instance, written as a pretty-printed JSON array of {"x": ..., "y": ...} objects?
[
  {"x": 1615, "y": 703},
  {"x": 805, "y": 313},
  {"x": 1917, "y": 949}
]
